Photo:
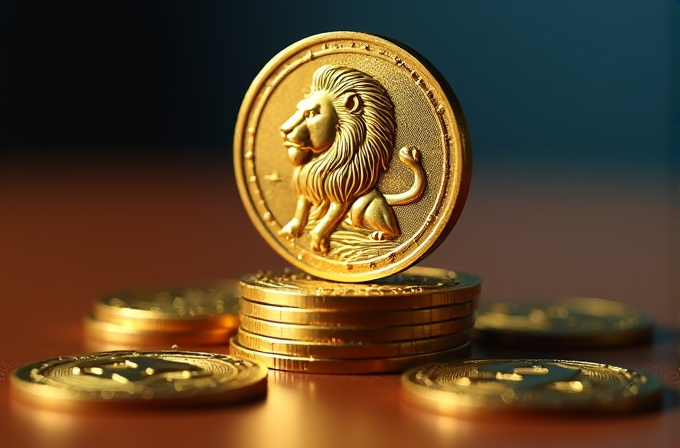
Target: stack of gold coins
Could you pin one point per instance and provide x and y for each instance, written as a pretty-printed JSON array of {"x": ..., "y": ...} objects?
[
  {"x": 353, "y": 160},
  {"x": 293, "y": 321},
  {"x": 162, "y": 316}
]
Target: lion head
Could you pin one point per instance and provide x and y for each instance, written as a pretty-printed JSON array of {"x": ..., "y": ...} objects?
[{"x": 341, "y": 137}]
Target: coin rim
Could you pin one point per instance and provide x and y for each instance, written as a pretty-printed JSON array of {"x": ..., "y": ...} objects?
[
  {"x": 121, "y": 334},
  {"x": 287, "y": 347},
  {"x": 469, "y": 289},
  {"x": 388, "y": 318},
  {"x": 343, "y": 366},
  {"x": 314, "y": 333}
]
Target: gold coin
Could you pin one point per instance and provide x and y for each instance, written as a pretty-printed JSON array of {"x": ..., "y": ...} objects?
[
  {"x": 571, "y": 322},
  {"x": 132, "y": 337},
  {"x": 355, "y": 334},
  {"x": 316, "y": 350},
  {"x": 416, "y": 288},
  {"x": 538, "y": 385},
  {"x": 344, "y": 366},
  {"x": 154, "y": 378},
  {"x": 355, "y": 318},
  {"x": 373, "y": 161},
  {"x": 173, "y": 308}
]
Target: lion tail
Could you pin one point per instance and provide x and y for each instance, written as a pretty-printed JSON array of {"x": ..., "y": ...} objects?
[{"x": 410, "y": 156}]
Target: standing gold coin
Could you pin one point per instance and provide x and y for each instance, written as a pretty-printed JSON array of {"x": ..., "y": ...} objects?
[
  {"x": 416, "y": 288},
  {"x": 538, "y": 385},
  {"x": 172, "y": 309},
  {"x": 154, "y": 378},
  {"x": 373, "y": 161},
  {"x": 573, "y": 322}
]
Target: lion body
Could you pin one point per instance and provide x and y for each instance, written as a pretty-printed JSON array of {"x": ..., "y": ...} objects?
[{"x": 339, "y": 181}]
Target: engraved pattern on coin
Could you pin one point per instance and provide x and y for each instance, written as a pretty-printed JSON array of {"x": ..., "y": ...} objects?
[
  {"x": 341, "y": 140},
  {"x": 530, "y": 385},
  {"x": 362, "y": 186},
  {"x": 139, "y": 376}
]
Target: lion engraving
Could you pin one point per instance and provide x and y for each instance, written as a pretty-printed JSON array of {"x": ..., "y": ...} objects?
[{"x": 340, "y": 140}]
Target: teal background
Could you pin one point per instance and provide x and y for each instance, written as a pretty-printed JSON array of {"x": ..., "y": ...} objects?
[{"x": 562, "y": 87}]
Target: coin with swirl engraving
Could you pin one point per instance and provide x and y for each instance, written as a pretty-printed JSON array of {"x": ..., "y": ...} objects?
[
  {"x": 486, "y": 386},
  {"x": 138, "y": 378},
  {"x": 352, "y": 156}
]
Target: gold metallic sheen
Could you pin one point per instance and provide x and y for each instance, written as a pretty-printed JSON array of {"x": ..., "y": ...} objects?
[
  {"x": 352, "y": 156},
  {"x": 344, "y": 366},
  {"x": 173, "y": 308},
  {"x": 138, "y": 378},
  {"x": 416, "y": 288},
  {"x": 355, "y": 318},
  {"x": 529, "y": 385},
  {"x": 569, "y": 322},
  {"x": 131, "y": 337},
  {"x": 355, "y": 334},
  {"x": 307, "y": 349}
]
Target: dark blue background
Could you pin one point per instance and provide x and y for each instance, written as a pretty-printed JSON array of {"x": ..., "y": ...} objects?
[{"x": 588, "y": 86}]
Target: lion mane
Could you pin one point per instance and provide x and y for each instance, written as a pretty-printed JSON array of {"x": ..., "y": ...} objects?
[{"x": 363, "y": 145}]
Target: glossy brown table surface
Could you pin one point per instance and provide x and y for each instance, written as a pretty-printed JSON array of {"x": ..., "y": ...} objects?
[{"x": 69, "y": 233}]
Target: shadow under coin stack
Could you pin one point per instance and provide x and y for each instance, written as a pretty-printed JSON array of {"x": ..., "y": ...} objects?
[
  {"x": 293, "y": 321},
  {"x": 159, "y": 317}
]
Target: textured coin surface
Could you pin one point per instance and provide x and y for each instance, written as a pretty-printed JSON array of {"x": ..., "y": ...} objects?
[
  {"x": 330, "y": 350},
  {"x": 173, "y": 308},
  {"x": 575, "y": 322},
  {"x": 355, "y": 334},
  {"x": 484, "y": 386},
  {"x": 345, "y": 366},
  {"x": 416, "y": 288},
  {"x": 352, "y": 156},
  {"x": 292, "y": 315},
  {"x": 139, "y": 378},
  {"x": 131, "y": 337}
]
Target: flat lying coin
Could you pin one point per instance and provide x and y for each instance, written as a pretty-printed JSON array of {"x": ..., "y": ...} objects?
[
  {"x": 147, "y": 378},
  {"x": 355, "y": 318},
  {"x": 317, "y": 350},
  {"x": 344, "y": 366},
  {"x": 373, "y": 164},
  {"x": 533, "y": 385},
  {"x": 133, "y": 338},
  {"x": 172, "y": 308},
  {"x": 416, "y": 288},
  {"x": 366, "y": 335},
  {"x": 574, "y": 322}
]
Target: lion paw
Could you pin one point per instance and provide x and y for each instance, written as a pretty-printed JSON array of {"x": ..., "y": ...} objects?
[
  {"x": 319, "y": 244},
  {"x": 377, "y": 236},
  {"x": 291, "y": 230}
]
